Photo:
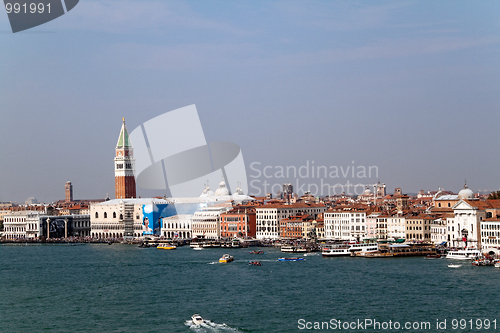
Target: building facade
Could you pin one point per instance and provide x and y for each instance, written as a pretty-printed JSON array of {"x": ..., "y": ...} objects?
[{"x": 268, "y": 216}]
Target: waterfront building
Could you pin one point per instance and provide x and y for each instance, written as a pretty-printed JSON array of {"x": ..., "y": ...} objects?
[
  {"x": 418, "y": 228},
  {"x": 396, "y": 227},
  {"x": 439, "y": 230},
  {"x": 345, "y": 223},
  {"x": 33, "y": 224},
  {"x": 177, "y": 226},
  {"x": 124, "y": 166},
  {"x": 129, "y": 217},
  {"x": 206, "y": 222},
  {"x": 238, "y": 222},
  {"x": 371, "y": 225},
  {"x": 293, "y": 226},
  {"x": 490, "y": 232},
  {"x": 62, "y": 226},
  {"x": 465, "y": 226},
  {"x": 14, "y": 225},
  {"x": 268, "y": 216},
  {"x": 314, "y": 229},
  {"x": 381, "y": 227}
]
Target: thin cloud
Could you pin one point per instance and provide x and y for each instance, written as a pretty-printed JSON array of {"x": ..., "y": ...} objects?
[{"x": 126, "y": 16}]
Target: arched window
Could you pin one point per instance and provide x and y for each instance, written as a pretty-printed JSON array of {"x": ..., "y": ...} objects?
[
  {"x": 121, "y": 216},
  {"x": 114, "y": 215},
  {"x": 96, "y": 215},
  {"x": 105, "y": 215}
]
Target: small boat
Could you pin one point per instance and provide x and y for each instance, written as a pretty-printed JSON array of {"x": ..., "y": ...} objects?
[
  {"x": 226, "y": 258},
  {"x": 166, "y": 246},
  {"x": 454, "y": 266},
  {"x": 197, "y": 248},
  {"x": 290, "y": 259},
  {"x": 255, "y": 263},
  {"x": 311, "y": 254},
  {"x": 197, "y": 319},
  {"x": 433, "y": 256},
  {"x": 256, "y": 252}
]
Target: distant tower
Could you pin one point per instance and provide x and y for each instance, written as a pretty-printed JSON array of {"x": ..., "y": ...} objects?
[
  {"x": 124, "y": 166},
  {"x": 287, "y": 192},
  {"x": 68, "y": 189}
]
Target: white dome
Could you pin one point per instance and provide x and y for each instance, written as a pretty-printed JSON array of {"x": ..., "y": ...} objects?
[
  {"x": 465, "y": 193},
  {"x": 367, "y": 191},
  {"x": 222, "y": 190}
]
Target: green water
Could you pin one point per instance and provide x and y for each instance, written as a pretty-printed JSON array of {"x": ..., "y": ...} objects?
[{"x": 123, "y": 288}]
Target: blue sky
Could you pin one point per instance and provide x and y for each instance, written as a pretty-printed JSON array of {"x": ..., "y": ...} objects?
[{"x": 410, "y": 87}]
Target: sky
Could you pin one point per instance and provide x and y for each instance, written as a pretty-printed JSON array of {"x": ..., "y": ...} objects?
[{"x": 408, "y": 88}]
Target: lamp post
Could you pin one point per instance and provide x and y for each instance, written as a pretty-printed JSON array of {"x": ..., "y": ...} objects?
[
  {"x": 66, "y": 227},
  {"x": 48, "y": 227}
]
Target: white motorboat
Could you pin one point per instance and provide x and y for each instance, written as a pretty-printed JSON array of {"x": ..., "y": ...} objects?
[
  {"x": 197, "y": 319},
  {"x": 466, "y": 254},
  {"x": 454, "y": 266}
]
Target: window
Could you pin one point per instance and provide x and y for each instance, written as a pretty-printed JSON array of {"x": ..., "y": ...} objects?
[
  {"x": 96, "y": 215},
  {"x": 114, "y": 215},
  {"x": 105, "y": 215}
]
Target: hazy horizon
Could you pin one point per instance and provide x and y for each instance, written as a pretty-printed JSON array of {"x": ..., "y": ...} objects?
[{"x": 411, "y": 88}]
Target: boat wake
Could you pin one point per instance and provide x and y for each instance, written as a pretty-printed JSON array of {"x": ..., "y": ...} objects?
[{"x": 209, "y": 326}]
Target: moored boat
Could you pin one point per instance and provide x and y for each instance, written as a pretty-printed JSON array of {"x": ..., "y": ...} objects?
[
  {"x": 290, "y": 259},
  {"x": 433, "y": 256},
  {"x": 466, "y": 254},
  {"x": 255, "y": 263},
  {"x": 347, "y": 249}
]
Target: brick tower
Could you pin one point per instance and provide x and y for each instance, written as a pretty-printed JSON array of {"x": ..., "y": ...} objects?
[
  {"x": 68, "y": 189},
  {"x": 124, "y": 166}
]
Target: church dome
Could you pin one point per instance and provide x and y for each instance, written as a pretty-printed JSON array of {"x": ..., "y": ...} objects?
[
  {"x": 222, "y": 190},
  {"x": 466, "y": 193},
  {"x": 368, "y": 192},
  {"x": 207, "y": 192}
]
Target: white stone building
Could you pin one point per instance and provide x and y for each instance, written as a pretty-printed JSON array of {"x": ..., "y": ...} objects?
[
  {"x": 345, "y": 224},
  {"x": 126, "y": 217},
  {"x": 396, "y": 227},
  {"x": 177, "y": 226},
  {"x": 269, "y": 216},
  {"x": 206, "y": 222}
]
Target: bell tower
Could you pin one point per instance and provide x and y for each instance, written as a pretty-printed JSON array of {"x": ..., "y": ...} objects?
[{"x": 124, "y": 166}]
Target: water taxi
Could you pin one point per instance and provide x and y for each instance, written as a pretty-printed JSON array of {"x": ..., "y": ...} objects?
[
  {"x": 226, "y": 258},
  {"x": 166, "y": 246}
]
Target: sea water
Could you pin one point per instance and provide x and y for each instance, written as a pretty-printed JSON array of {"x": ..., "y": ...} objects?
[{"x": 123, "y": 288}]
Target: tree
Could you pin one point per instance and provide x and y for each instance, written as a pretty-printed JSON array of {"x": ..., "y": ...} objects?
[{"x": 494, "y": 195}]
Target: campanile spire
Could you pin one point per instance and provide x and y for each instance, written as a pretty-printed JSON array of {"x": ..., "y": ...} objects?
[{"x": 124, "y": 166}]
